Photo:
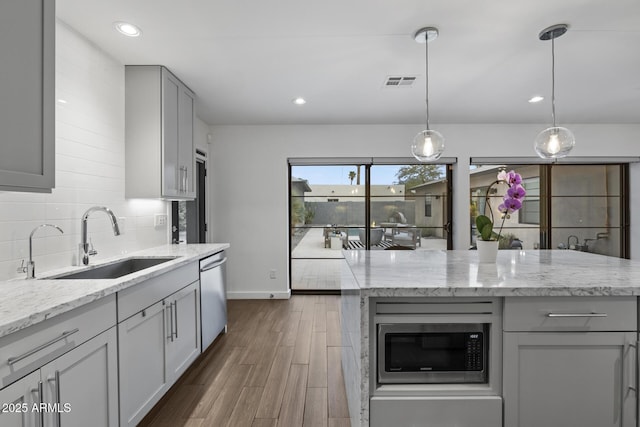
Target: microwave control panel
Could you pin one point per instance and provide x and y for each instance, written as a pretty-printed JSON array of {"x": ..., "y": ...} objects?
[{"x": 473, "y": 352}]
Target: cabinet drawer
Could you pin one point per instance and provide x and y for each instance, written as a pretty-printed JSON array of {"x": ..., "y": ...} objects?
[
  {"x": 30, "y": 348},
  {"x": 149, "y": 292},
  {"x": 459, "y": 411},
  {"x": 570, "y": 314}
]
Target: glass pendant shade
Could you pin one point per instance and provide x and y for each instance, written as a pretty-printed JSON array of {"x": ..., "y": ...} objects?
[
  {"x": 554, "y": 142},
  {"x": 428, "y": 145}
]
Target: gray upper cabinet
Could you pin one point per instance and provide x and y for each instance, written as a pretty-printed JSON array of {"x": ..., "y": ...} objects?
[
  {"x": 159, "y": 114},
  {"x": 27, "y": 95}
]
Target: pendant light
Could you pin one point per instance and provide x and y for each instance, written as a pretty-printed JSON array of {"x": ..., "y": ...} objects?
[
  {"x": 427, "y": 145},
  {"x": 556, "y": 141}
]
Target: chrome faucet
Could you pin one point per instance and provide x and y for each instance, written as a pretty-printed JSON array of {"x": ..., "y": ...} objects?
[
  {"x": 30, "y": 268},
  {"x": 569, "y": 241},
  {"x": 84, "y": 245}
]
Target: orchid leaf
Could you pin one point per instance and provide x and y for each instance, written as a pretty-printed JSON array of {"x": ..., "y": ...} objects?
[{"x": 485, "y": 227}]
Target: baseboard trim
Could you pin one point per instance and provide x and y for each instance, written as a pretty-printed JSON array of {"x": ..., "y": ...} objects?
[{"x": 259, "y": 295}]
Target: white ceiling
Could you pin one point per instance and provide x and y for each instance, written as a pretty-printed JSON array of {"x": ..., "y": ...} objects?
[{"x": 246, "y": 60}]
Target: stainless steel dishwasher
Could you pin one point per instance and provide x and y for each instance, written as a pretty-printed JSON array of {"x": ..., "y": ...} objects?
[{"x": 213, "y": 297}]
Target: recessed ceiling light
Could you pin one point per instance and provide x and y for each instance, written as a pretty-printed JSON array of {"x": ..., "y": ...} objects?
[
  {"x": 127, "y": 29},
  {"x": 536, "y": 98},
  {"x": 299, "y": 101}
]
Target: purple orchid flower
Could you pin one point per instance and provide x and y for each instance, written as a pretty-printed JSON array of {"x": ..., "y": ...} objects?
[{"x": 516, "y": 192}]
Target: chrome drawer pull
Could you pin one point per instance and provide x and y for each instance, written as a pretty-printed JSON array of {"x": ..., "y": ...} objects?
[
  {"x": 65, "y": 334},
  {"x": 576, "y": 314}
]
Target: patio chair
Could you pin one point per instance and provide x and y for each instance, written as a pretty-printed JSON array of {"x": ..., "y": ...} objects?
[{"x": 406, "y": 236}]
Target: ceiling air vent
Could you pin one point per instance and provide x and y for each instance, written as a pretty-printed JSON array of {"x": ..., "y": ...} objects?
[{"x": 399, "y": 81}]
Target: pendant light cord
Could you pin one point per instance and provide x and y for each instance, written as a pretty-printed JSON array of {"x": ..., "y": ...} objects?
[
  {"x": 426, "y": 67},
  {"x": 553, "y": 81}
]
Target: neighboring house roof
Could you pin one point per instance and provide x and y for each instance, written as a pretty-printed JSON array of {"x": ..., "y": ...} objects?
[
  {"x": 302, "y": 183},
  {"x": 427, "y": 184}
]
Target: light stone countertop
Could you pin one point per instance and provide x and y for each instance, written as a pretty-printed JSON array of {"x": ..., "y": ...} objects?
[
  {"x": 369, "y": 274},
  {"x": 26, "y": 302},
  {"x": 516, "y": 273}
]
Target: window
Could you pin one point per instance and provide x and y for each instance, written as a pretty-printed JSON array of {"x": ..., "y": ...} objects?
[
  {"x": 427, "y": 206},
  {"x": 578, "y": 207},
  {"x": 530, "y": 212}
]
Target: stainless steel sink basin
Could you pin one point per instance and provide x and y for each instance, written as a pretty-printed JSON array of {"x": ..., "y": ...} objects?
[{"x": 116, "y": 269}]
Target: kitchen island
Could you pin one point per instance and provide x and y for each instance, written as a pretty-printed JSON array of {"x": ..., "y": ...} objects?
[{"x": 523, "y": 283}]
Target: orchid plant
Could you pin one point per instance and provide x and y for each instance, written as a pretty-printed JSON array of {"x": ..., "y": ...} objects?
[{"x": 511, "y": 202}]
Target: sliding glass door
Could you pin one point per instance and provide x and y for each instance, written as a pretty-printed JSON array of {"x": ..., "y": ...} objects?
[
  {"x": 362, "y": 205},
  {"x": 327, "y": 210}
]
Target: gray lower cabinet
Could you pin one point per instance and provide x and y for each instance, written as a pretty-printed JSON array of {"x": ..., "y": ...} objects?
[
  {"x": 17, "y": 402},
  {"x": 570, "y": 362},
  {"x": 156, "y": 345},
  {"x": 143, "y": 378},
  {"x": 569, "y": 379},
  {"x": 77, "y": 389},
  {"x": 184, "y": 346},
  {"x": 27, "y": 95}
]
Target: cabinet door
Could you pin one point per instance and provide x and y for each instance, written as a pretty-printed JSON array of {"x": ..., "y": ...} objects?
[
  {"x": 27, "y": 97},
  {"x": 17, "y": 402},
  {"x": 170, "y": 134},
  {"x": 82, "y": 384},
  {"x": 569, "y": 379},
  {"x": 186, "y": 159},
  {"x": 141, "y": 355},
  {"x": 183, "y": 344}
]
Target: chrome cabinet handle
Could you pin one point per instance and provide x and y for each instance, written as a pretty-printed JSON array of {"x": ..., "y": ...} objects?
[
  {"x": 56, "y": 379},
  {"x": 65, "y": 334},
  {"x": 40, "y": 401},
  {"x": 576, "y": 314},
  {"x": 183, "y": 179},
  {"x": 630, "y": 364},
  {"x": 170, "y": 336},
  {"x": 186, "y": 179},
  {"x": 175, "y": 312}
]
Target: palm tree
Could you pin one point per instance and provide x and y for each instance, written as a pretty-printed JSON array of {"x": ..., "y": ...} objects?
[{"x": 352, "y": 176}]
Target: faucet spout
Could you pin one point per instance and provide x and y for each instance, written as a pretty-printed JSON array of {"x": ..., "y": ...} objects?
[
  {"x": 84, "y": 245},
  {"x": 30, "y": 269}
]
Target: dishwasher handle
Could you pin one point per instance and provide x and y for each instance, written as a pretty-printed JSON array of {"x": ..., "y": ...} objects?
[{"x": 211, "y": 266}]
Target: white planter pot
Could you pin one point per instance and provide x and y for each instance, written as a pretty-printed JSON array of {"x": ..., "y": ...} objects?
[{"x": 487, "y": 250}]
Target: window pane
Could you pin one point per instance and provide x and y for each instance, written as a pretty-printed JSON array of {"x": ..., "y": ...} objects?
[
  {"x": 410, "y": 203},
  {"x": 586, "y": 208},
  {"x": 521, "y": 228}
]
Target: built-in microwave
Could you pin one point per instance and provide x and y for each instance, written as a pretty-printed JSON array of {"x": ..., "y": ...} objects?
[{"x": 432, "y": 353}]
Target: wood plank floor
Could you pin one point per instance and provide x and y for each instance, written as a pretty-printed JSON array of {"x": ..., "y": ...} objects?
[{"x": 278, "y": 365}]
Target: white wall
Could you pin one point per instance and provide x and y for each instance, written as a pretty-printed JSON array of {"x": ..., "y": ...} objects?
[
  {"x": 249, "y": 180},
  {"x": 89, "y": 170}
]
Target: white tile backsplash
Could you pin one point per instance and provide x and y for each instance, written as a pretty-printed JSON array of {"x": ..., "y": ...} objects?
[{"x": 89, "y": 170}]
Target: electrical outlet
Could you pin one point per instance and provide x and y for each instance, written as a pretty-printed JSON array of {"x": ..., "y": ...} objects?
[
  {"x": 272, "y": 274},
  {"x": 122, "y": 224},
  {"x": 159, "y": 220}
]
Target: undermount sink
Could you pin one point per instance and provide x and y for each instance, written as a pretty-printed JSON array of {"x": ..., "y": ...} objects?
[{"x": 116, "y": 269}]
